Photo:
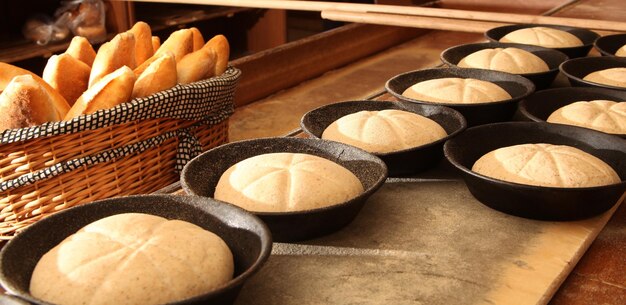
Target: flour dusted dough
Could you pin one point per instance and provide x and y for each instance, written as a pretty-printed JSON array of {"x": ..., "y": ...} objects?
[
  {"x": 511, "y": 60},
  {"x": 612, "y": 77},
  {"x": 457, "y": 91},
  {"x": 602, "y": 115},
  {"x": 546, "y": 165},
  {"x": 543, "y": 36},
  {"x": 132, "y": 258},
  {"x": 283, "y": 182},
  {"x": 384, "y": 131}
]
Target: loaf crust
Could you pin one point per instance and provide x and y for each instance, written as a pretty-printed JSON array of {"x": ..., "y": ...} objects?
[
  {"x": 284, "y": 182},
  {"x": 546, "y": 165},
  {"x": 133, "y": 259},
  {"x": 384, "y": 131},
  {"x": 543, "y": 36},
  {"x": 602, "y": 115},
  {"x": 457, "y": 91}
]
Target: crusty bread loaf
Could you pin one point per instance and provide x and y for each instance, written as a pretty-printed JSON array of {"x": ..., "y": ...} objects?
[
  {"x": 81, "y": 49},
  {"x": 219, "y": 43},
  {"x": 68, "y": 75},
  {"x": 198, "y": 39},
  {"x": 160, "y": 75},
  {"x": 133, "y": 258},
  {"x": 546, "y": 165},
  {"x": 196, "y": 66},
  {"x": 26, "y": 102},
  {"x": 112, "y": 55},
  {"x": 8, "y": 72},
  {"x": 457, "y": 91},
  {"x": 621, "y": 52},
  {"x": 511, "y": 60},
  {"x": 156, "y": 43},
  {"x": 180, "y": 43},
  {"x": 602, "y": 115},
  {"x": 282, "y": 182},
  {"x": 384, "y": 131},
  {"x": 543, "y": 36},
  {"x": 612, "y": 77},
  {"x": 143, "y": 41},
  {"x": 112, "y": 90}
]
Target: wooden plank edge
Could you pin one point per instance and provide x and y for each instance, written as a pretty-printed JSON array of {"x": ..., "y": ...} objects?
[{"x": 270, "y": 71}]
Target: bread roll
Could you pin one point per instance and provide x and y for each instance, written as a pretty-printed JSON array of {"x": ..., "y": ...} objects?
[
  {"x": 283, "y": 182},
  {"x": 621, "y": 52},
  {"x": 511, "y": 60},
  {"x": 26, "y": 102},
  {"x": 180, "y": 43},
  {"x": 612, "y": 77},
  {"x": 384, "y": 131},
  {"x": 143, "y": 41},
  {"x": 160, "y": 75},
  {"x": 543, "y": 36},
  {"x": 196, "y": 66},
  {"x": 546, "y": 165},
  {"x": 68, "y": 75},
  {"x": 156, "y": 43},
  {"x": 8, "y": 72},
  {"x": 602, "y": 115},
  {"x": 118, "y": 52},
  {"x": 457, "y": 91},
  {"x": 81, "y": 49},
  {"x": 110, "y": 91},
  {"x": 198, "y": 40},
  {"x": 219, "y": 43},
  {"x": 133, "y": 258}
]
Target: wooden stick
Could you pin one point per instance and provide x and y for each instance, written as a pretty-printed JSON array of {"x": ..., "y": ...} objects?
[
  {"x": 413, "y": 21},
  {"x": 409, "y": 10}
]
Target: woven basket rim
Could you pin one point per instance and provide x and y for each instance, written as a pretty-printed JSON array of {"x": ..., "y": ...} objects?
[{"x": 8, "y": 136}]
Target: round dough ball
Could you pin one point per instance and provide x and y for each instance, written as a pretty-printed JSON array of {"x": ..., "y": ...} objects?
[
  {"x": 543, "y": 36},
  {"x": 285, "y": 182},
  {"x": 602, "y": 115},
  {"x": 384, "y": 131},
  {"x": 511, "y": 60},
  {"x": 612, "y": 77},
  {"x": 133, "y": 258},
  {"x": 546, "y": 165},
  {"x": 621, "y": 52},
  {"x": 454, "y": 90}
]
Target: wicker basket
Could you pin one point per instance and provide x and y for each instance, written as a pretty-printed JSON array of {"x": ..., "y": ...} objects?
[{"x": 134, "y": 148}]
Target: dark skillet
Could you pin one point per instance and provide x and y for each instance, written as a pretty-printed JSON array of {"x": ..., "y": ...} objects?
[{"x": 536, "y": 202}]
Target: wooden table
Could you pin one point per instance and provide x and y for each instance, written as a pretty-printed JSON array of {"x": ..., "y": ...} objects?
[{"x": 353, "y": 63}]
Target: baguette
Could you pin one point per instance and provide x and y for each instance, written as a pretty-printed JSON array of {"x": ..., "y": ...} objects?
[
  {"x": 26, "y": 102},
  {"x": 81, "y": 49},
  {"x": 118, "y": 52},
  {"x": 8, "y": 72},
  {"x": 143, "y": 42},
  {"x": 196, "y": 66},
  {"x": 156, "y": 43},
  {"x": 198, "y": 40},
  {"x": 110, "y": 91},
  {"x": 160, "y": 75},
  {"x": 68, "y": 75},
  {"x": 219, "y": 43},
  {"x": 180, "y": 43}
]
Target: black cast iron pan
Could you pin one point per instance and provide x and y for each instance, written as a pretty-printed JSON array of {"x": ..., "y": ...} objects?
[
  {"x": 200, "y": 176},
  {"x": 536, "y": 202},
  {"x": 404, "y": 162},
  {"x": 247, "y": 237}
]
